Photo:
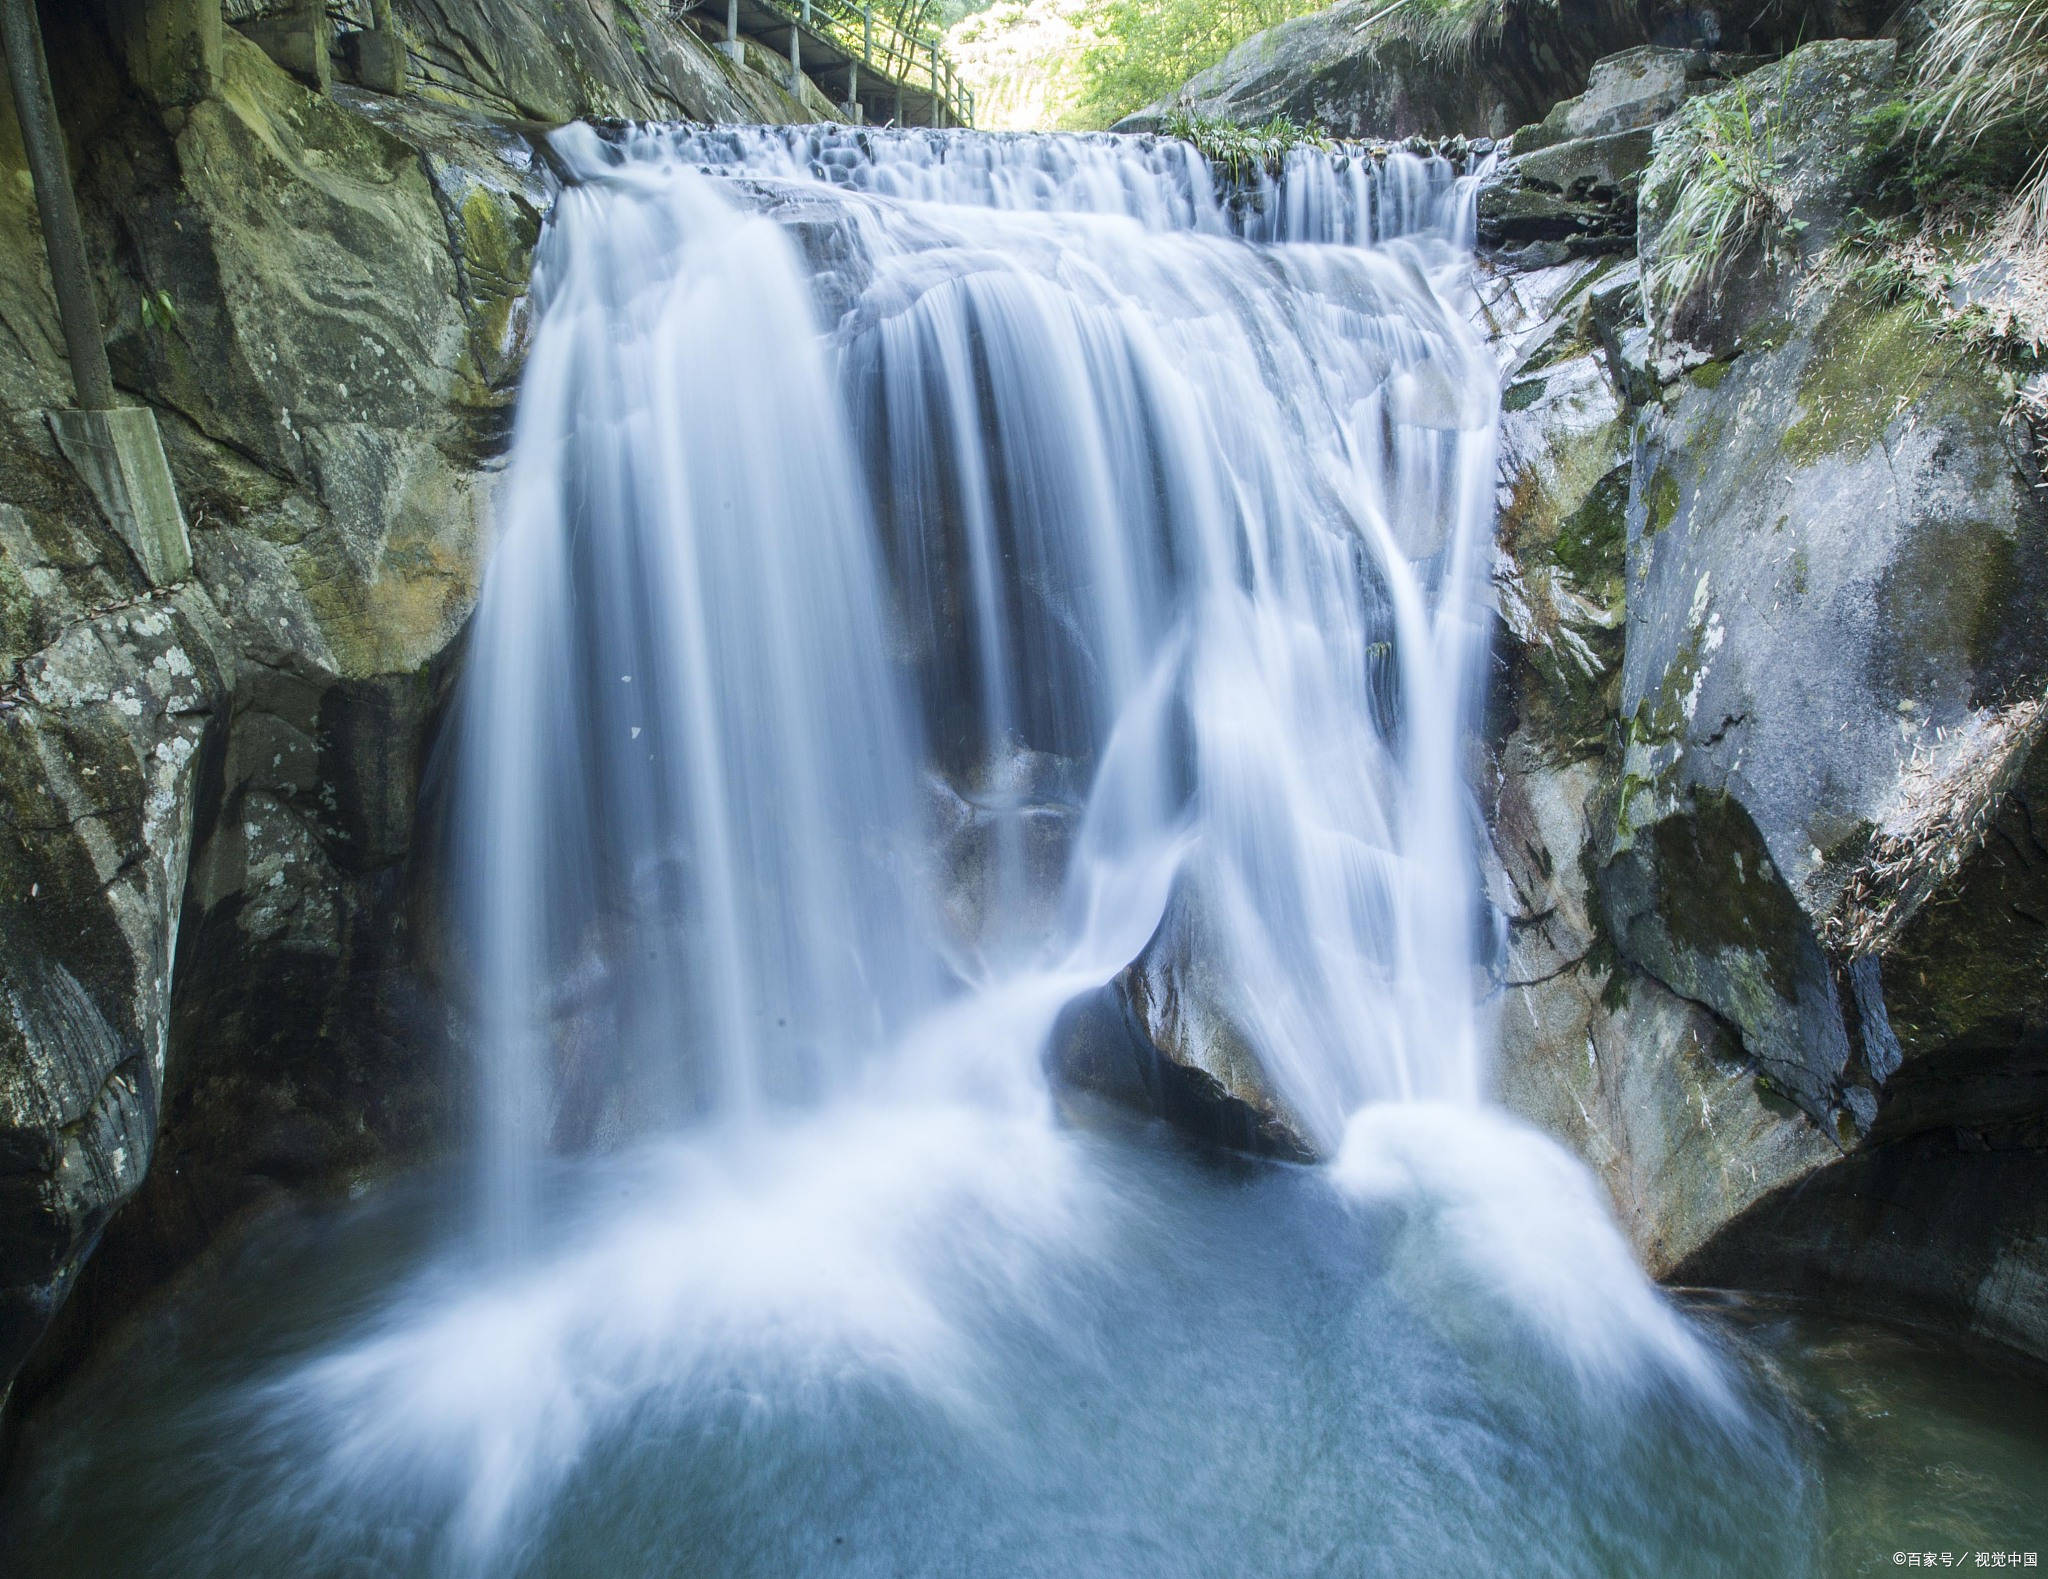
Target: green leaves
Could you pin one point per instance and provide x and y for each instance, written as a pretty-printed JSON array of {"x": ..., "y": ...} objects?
[
  {"x": 159, "y": 312},
  {"x": 1146, "y": 50}
]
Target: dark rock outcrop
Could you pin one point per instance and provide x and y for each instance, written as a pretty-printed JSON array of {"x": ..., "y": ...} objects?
[
  {"x": 1569, "y": 186},
  {"x": 1568, "y": 200}
]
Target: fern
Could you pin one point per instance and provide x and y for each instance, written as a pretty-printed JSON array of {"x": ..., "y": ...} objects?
[{"x": 1236, "y": 153}]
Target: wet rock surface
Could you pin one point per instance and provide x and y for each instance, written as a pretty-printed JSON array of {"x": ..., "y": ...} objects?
[
  {"x": 1361, "y": 69},
  {"x": 1763, "y": 784}
]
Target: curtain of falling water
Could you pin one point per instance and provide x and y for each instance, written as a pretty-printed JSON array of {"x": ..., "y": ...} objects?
[{"x": 932, "y": 563}]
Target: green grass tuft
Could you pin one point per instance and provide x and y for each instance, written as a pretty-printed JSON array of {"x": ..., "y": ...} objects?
[
  {"x": 1235, "y": 152},
  {"x": 1983, "y": 82},
  {"x": 1721, "y": 197}
]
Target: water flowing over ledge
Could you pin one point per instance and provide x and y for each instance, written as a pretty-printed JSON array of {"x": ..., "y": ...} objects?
[
  {"x": 1149, "y": 557},
  {"x": 1348, "y": 195}
]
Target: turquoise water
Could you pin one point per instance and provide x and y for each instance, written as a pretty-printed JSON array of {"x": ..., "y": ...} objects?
[{"x": 1236, "y": 1371}]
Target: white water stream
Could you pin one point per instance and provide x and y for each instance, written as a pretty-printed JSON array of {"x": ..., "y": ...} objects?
[{"x": 1146, "y": 557}]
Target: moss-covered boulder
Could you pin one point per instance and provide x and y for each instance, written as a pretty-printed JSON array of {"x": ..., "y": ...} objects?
[
  {"x": 1482, "y": 67},
  {"x": 1654, "y": 1091},
  {"x": 1773, "y": 888},
  {"x": 560, "y": 60},
  {"x": 1836, "y": 584}
]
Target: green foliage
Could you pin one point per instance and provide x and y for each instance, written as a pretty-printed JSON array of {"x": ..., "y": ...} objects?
[
  {"x": 1911, "y": 168},
  {"x": 159, "y": 312},
  {"x": 896, "y": 21},
  {"x": 1237, "y": 152},
  {"x": 1888, "y": 265},
  {"x": 1982, "y": 87},
  {"x": 1720, "y": 196},
  {"x": 1143, "y": 51},
  {"x": 1445, "y": 27}
]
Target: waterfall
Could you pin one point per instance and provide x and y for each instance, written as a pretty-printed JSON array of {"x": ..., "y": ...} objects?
[
  {"x": 928, "y": 562},
  {"x": 942, "y": 578}
]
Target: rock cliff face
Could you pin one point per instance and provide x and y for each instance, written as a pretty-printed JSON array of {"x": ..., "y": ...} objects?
[{"x": 322, "y": 296}]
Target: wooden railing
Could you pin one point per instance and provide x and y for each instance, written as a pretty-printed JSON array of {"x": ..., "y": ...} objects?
[{"x": 867, "y": 43}]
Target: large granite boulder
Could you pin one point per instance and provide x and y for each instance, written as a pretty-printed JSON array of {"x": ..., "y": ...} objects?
[
  {"x": 1763, "y": 791},
  {"x": 1816, "y": 821},
  {"x": 1652, "y": 1090},
  {"x": 551, "y": 61},
  {"x": 1838, "y": 624}
]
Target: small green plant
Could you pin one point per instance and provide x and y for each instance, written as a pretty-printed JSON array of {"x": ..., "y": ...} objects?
[
  {"x": 159, "y": 312},
  {"x": 1451, "y": 27},
  {"x": 1723, "y": 196},
  {"x": 1236, "y": 153}
]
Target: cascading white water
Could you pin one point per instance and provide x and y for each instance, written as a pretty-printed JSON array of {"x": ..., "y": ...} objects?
[
  {"x": 1165, "y": 553},
  {"x": 935, "y": 571}
]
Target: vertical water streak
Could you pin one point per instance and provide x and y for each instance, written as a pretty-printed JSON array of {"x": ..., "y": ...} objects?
[{"x": 688, "y": 790}]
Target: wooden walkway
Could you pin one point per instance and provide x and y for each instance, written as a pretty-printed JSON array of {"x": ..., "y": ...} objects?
[{"x": 856, "y": 58}]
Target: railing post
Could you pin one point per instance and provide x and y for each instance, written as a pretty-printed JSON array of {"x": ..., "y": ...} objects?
[
  {"x": 375, "y": 56},
  {"x": 35, "y": 107},
  {"x": 938, "y": 95},
  {"x": 733, "y": 48},
  {"x": 117, "y": 452},
  {"x": 867, "y": 35}
]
